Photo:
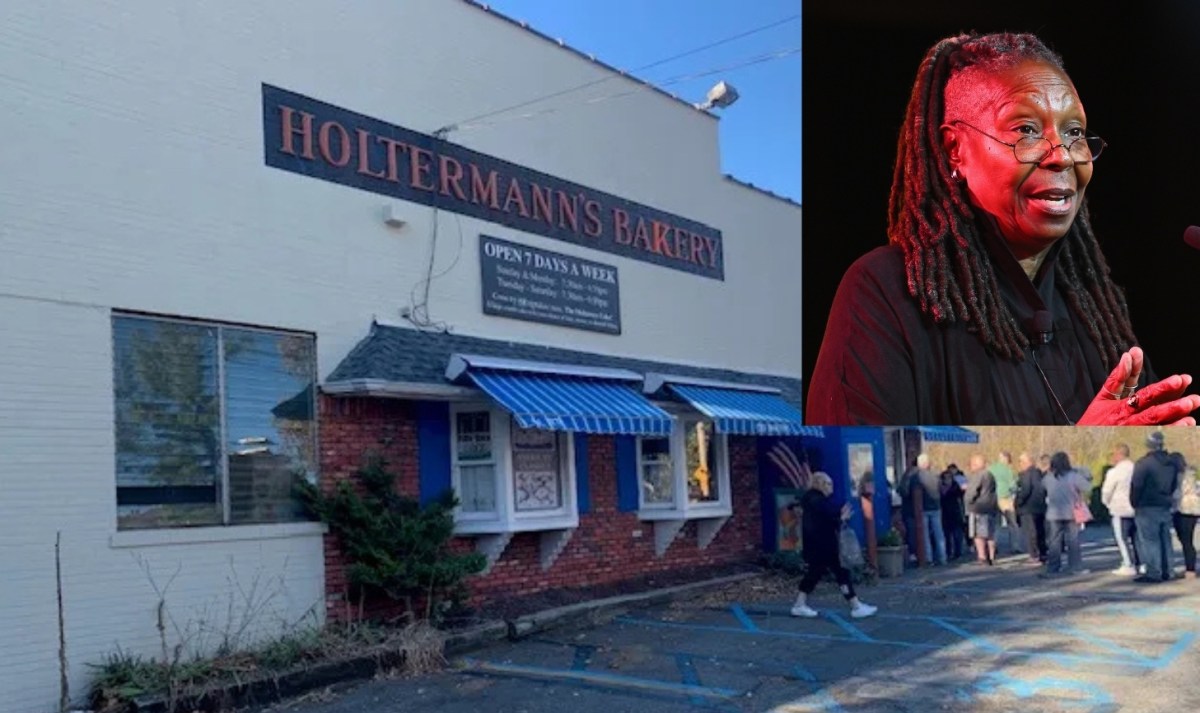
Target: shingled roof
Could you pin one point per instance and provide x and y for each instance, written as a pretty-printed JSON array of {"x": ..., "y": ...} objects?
[{"x": 400, "y": 354}]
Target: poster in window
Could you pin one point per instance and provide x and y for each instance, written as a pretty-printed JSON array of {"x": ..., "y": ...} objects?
[
  {"x": 537, "y": 478},
  {"x": 861, "y": 460}
]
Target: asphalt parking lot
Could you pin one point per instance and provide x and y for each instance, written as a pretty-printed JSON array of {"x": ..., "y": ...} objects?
[{"x": 964, "y": 638}]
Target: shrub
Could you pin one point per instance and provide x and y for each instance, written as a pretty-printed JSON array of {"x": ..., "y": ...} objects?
[{"x": 395, "y": 547}]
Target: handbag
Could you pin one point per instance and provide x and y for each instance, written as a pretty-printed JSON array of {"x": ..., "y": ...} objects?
[
  {"x": 849, "y": 551},
  {"x": 1082, "y": 513}
]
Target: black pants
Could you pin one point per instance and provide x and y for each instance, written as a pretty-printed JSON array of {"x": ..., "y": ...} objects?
[
  {"x": 1034, "y": 526},
  {"x": 956, "y": 539},
  {"x": 817, "y": 570},
  {"x": 1185, "y": 528}
]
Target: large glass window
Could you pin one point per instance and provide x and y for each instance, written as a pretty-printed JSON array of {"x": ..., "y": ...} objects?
[{"x": 214, "y": 424}]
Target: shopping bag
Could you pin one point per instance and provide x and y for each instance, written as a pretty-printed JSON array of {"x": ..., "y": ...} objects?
[{"x": 849, "y": 550}]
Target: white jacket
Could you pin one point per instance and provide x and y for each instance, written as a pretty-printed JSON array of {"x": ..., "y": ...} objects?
[{"x": 1115, "y": 491}]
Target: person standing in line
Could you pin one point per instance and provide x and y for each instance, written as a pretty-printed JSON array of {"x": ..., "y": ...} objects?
[
  {"x": 907, "y": 482},
  {"x": 1006, "y": 488},
  {"x": 931, "y": 508},
  {"x": 983, "y": 508},
  {"x": 1030, "y": 504},
  {"x": 1065, "y": 488},
  {"x": 1151, "y": 492},
  {"x": 822, "y": 522},
  {"x": 1115, "y": 495},
  {"x": 952, "y": 512},
  {"x": 1188, "y": 510}
]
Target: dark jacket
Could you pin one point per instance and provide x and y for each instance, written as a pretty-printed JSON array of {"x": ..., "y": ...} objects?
[
  {"x": 822, "y": 524},
  {"x": 1155, "y": 478},
  {"x": 1031, "y": 494},
  {"x": 952, "y": 500},
  {"x": 981, "y": 493},
  {"x": 930, "y": 489},
  {"x": 904, "y": 487}
]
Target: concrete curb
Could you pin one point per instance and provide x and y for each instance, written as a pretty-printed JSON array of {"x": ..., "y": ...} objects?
[
  {"x": 277, "y": 688},
  {"x": 598, "y": 611}
]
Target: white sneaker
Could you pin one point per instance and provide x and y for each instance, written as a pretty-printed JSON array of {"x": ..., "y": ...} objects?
[
  {"x": 1125, "y": 571},
  {"x": 805, "y": 611},
  {"x": 1141, "y": 569},
  {"x": 862, "y": 611}
]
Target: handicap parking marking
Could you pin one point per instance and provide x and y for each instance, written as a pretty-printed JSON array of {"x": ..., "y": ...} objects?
[
  {"x": 1115, "y": 656},
  {"x": 1082, "y": 694}
]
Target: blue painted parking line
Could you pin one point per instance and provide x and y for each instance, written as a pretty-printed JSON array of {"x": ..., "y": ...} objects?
[
  {"x": 744, "y": 620},
  {"x": 977, "y": 641},
  {"x": 855, "y": 632},
  {"x": 1063, "y": 659}
]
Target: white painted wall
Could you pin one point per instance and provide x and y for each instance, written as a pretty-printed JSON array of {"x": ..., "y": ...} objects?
[{"x": 133, "y": 178}]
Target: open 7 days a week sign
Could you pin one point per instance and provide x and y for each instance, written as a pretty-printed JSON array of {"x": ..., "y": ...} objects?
[
  {"x": 323, "y": 141},
  {"x": 542, "y": 286}
]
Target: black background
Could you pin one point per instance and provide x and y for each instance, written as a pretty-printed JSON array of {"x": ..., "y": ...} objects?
[{"x": 1136, "y": 66}]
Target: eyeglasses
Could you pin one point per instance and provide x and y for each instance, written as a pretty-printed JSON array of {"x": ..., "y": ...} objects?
[{"x": 1035, "y": 149}]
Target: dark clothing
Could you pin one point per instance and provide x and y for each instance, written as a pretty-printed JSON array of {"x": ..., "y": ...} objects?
[
  {"x": 1185, "y": 529},
  {"x": 815, "y": 572},
  {"x": 821, "y": 524},
  {"x": 1155, "y": 478},
  {"x": 981, "y": 493},
  {"x": 1031, "y": 494},
  {"x": 883, "y": 362},
  {"x": 905, "y": 488},
  {"x": 956, "y": 536},
  {"x": 1034, "y": 527},
  {"x": 931, "y": 491}
]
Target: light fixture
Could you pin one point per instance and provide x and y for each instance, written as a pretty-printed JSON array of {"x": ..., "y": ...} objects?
[
  {"x": 720, "y": 96},
  {"x": 392, "y": 215}
]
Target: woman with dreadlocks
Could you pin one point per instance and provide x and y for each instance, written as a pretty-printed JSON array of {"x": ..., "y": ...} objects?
[{"x": 992, "y": 302}]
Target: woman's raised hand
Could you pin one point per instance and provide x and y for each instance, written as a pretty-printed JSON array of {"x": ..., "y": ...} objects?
[{"x": 1119, "y": 403}]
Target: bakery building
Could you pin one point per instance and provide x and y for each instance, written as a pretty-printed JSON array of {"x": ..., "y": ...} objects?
[{"x": 248, "y": 244}]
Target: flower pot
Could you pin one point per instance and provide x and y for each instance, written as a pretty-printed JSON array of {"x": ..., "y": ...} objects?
[{"x": 891, "y": 561}]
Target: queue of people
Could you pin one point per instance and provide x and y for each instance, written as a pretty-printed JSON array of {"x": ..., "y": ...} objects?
[
  {"x": 1041, "y": 508},
  {"x": 1048, "y": 498}
]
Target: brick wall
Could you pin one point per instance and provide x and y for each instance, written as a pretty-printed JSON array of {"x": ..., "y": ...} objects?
[
  {"x": 609, "y": 546},
  {"x": 351, "y": 428}
]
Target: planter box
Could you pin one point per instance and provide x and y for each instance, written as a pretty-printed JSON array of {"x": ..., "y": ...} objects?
[{"x": 891, "y": 561}]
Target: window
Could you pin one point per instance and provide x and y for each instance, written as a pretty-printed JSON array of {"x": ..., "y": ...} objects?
[
  {"x": 509, "y": 478},
  {"x": 214, "y": 424},
  {"x": 658, "y": 477},
  {"x": 686, "y": 475},
  {"x": 704, "y": 483},
  {"x": 475, "y": 462}
]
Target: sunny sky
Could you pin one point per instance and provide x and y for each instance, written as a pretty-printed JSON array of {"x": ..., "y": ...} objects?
[{"x": 760, "y": 134}]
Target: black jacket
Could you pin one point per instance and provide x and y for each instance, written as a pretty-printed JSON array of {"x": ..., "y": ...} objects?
[
  {"x": 822, "y": 523},
  {"x": 883, "y": 362},
  {"x": 1155, "y": 478},
  {"x": 1031, "y": 494},
  {"x": 981, "y": 493}
]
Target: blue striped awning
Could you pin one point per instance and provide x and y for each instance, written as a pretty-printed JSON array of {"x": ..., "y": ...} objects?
[
  {"x": 746, "y": 413},
  {"x": 559, "y": 402},
  {"x": 948, "y": 434}
]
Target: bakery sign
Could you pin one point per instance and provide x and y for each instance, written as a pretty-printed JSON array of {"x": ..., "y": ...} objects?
[{"x": 319, "y": 140}]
